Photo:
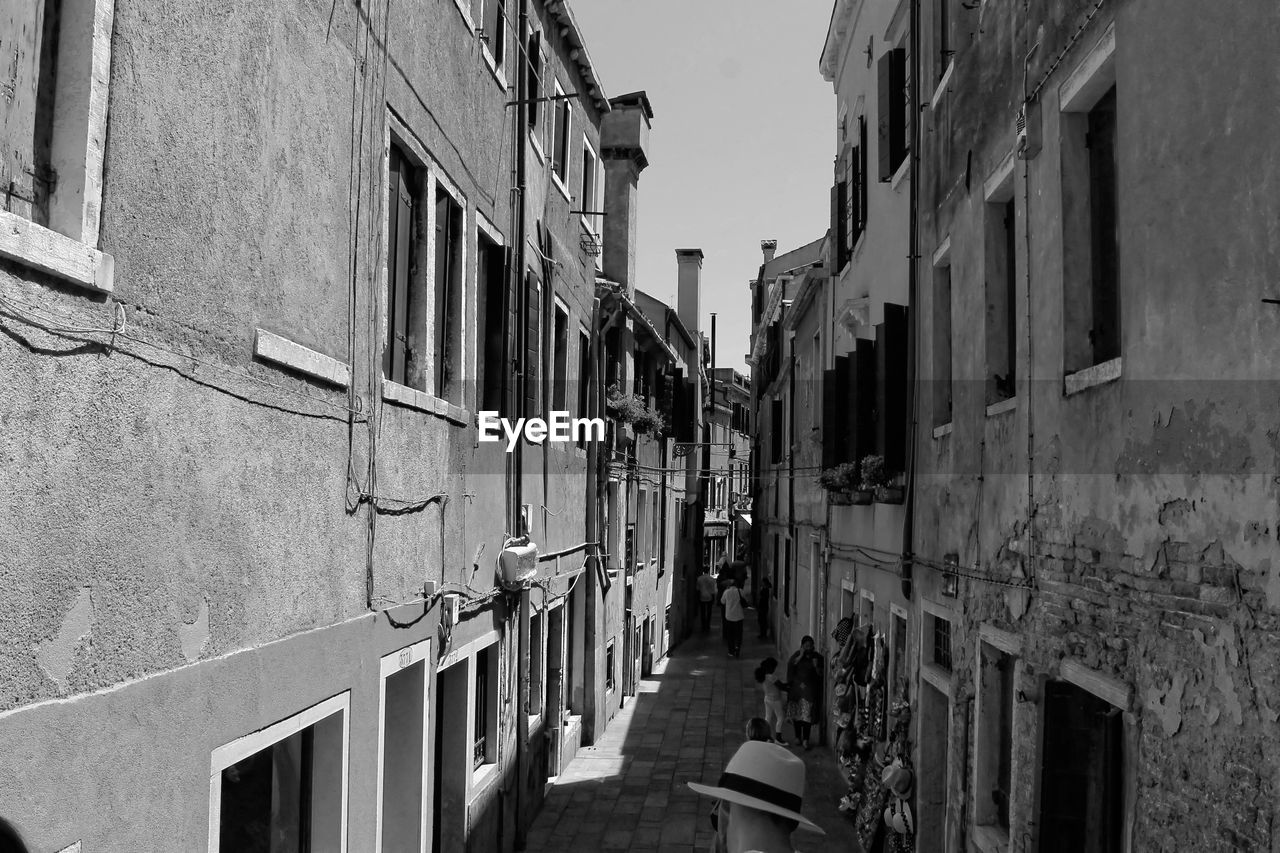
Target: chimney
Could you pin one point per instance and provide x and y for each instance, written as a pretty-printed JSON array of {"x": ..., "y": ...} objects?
[
  {"x": 689, "y": 289},
  {"x": 770, "y": 248},
  {"x": 624, "y": 148}
]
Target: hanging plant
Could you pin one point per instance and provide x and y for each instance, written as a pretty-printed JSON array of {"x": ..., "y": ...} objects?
[{"x": 874, "y": 474}]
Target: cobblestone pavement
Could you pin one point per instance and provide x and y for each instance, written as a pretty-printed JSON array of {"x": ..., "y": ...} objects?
[{"x": 628, "y": 791}]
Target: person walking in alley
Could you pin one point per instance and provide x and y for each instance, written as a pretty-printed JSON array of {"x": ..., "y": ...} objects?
[
  {"x": 759, "y": 797},
  {"x": 706, "y": 598},
  {"x": 775, "y": 710},
  {"x": 804, "y": 693},
  {"x": 764, "y": 591},
  {"x": 734, "y": 603}
]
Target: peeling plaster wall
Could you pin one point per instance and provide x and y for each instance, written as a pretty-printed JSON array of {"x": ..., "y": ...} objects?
[{"x": 1152, "y": 535}]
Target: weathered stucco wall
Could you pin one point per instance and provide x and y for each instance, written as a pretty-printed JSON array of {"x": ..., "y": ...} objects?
[{"x": 1151, "y": 538}]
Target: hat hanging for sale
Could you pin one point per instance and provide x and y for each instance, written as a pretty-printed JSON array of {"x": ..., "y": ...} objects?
[
  {"x": 898, "y": 779},
  {"x": 843, "y": 629},
  {"x": 765, "y": 777}
]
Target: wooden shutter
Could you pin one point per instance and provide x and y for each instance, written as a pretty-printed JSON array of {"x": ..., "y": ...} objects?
[
  {"x": 533, "y": 342},
  {"x": 831, "y": 400},
  {"x": 837, "y": 231},
  {"x": 399, "y": 240},
  {"x": 891, "y": 110},
  {"x": 775, "y": 431},
  {"x": 864, "y": 176},
  {"x": 446, "y": 235},
  {"x": 853, "y": 196},
  {"x": 892, "y": 389},
  {"x": 864, "y": 400}
]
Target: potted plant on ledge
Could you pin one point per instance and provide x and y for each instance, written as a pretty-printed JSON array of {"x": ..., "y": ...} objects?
[
  {"x": 876, "y": 478},
  {"x": 842, "y": 484}
]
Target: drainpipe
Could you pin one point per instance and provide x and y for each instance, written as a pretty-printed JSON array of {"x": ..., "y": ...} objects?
[
  {"x": 913, "y": 311},
  {"x": 596, "y": 491},
  {"x": 515, "y": 461}
]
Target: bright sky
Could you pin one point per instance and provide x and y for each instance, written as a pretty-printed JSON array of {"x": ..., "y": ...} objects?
[{"x": 742, "y": 142}]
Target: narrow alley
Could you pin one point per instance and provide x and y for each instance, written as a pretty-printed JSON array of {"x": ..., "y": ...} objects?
[{"x": 629, "y": 791}]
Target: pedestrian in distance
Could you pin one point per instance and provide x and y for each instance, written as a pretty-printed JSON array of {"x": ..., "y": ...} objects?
[
  {"x": 775, "y": 709},
  {"x": 758, "y": 729},
  {"x": 759, "y": 797},
  {"x": 734, "y": 604},
  {"x": 764, "y": 591},
  {"x": 706, "y": 598},
  {"x": 804, "y": 689}
]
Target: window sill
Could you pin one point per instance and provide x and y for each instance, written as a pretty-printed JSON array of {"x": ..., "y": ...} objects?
[
  {"x": 943, "y": 83},
  {"x": 937, "y": 677},
  {"x": 58, "y": 255},
  {"x": 564, "y": 191},
  {"x": 466, "y": 14},
  {"x": 901, "y": 174},
  {"x": 940, "y": 431},
  {"x": 1003, "y": 406},
  {"x": 295, "y": 356},
  {"x": 1091, "y": 377},
  {"x": 990, "y": 839},
  {"x": 482, "y": 779},
  {"x": 494, "y": 69},
  {"x": 424, "y": 402}
]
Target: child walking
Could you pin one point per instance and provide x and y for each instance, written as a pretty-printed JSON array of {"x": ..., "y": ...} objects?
[{"x": 774, "y": 705}]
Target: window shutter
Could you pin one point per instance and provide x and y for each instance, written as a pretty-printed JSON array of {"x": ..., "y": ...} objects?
[
  {"x": 830, "y": 419},
  {"x": 897, "y": 108},
  {"x": 864, "y": 176},
  {"x": 837, "y": 239},
  {"x": 853, "y": 203},
  {"x": 399, "y": 233},
  {"x": 862, "y": 431},
  {"x": 775, "y": 431},
  {"x": 891, "y": 376},
  {"x": 533, "y": 344},
  {"x": 883, "y": 110}
]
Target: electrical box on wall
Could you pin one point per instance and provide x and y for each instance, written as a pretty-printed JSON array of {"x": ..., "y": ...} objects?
[{"x": 518, "y": 564}]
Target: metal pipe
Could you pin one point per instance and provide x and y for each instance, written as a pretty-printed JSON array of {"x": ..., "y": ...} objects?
[{"x": 515, "y": 460}]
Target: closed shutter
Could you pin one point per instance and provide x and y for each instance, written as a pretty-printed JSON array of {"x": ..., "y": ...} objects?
[
  {"x": 891, "y": 380},
  {"x": 831, "y": 400},
  {"x": 533, "y": 343},
  {"x": 399, "y": 237},
  {"x": 850, "y": 213},
  {"x": 864, "y": 176},
  {"x": 864, "y": 400},
  {"x": 837, "y": 233},
  {"x": 775, "y": 431}
]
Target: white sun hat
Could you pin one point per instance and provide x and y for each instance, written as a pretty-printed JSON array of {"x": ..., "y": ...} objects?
[{"x": 765, "y": 777}]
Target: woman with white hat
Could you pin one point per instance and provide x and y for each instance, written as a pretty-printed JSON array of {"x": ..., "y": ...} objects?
[{"x": 759, "y": 798}]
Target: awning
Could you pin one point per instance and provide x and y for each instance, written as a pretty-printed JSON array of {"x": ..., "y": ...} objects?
[
  {"x": 744, "y": 518},
  {"x": 715, "y": 528}
]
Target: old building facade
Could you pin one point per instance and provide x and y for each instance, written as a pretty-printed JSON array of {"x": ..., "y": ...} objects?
[
  {"x": 1099, "y": 484},
  {"x": 259, "y": 275}
]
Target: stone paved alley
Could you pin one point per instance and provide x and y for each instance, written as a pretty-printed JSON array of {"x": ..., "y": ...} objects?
[{"x": 628, "y": 791}]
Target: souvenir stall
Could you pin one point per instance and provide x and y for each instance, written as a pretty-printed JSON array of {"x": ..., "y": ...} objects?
[{"x": 872, "y": 742}]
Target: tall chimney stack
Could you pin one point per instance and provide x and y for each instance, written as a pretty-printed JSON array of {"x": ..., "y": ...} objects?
[
  {"x": 769, "y": 247},
  {"x": 689, "y": 289},
  {"x": 624, "y": 148}
]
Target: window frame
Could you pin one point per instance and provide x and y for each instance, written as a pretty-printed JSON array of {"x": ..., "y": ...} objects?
[
  {"x": 942, "y": 278},
  {"x": 610, "y": 664},
  {"x": 392, "y": 664},
  {"x": 433, "y": 178},
  {"x": 486, "y": 230},
  {"x": 590, "y": 200},
  {"x": 483, "y": 772},
  {"x": 561, "y": 102},
  {"x": 66, "y": 245},
  {"x": 233, "y": 752}
]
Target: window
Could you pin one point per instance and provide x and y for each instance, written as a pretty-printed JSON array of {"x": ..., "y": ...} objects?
[
  {"x": 642, "y": 525},
  {"x": 491, "y": 289},
  {"x": 55, "y": 77},
  {"x": 943, "y": 35},
  {"x": 891, "y": 111},
  {"x": 775, "y": 431},
  {"x": 786, "y": 579},
  {"x": 449, "y": 215},
  {"x": 284, "y": 788},
  {"x": 942, "y": 642},
  {"x": 534, "y": 70},
  {"x": 1090, "y": 198},
  {"x": 1001, "y": 292},
  {"x": 402, "y": 749},
  {"x": 1082, "y": 772},
  {"x": 493, "y": 26},
  {"x": 484, "y": 747},
  {"x": 533, "y": 345},
  {"x": 608, "y": 666},
  {"x": 864, "y": 176},
  {"x": 898, "y": 676},
  {"x": 1104, "y": 248},
  {"x": 942, "y": 364},
  {"x": 655, "y": 531},
  {"x": 536, "y": 672},
  {"x": 403, "y": 354},
  {"x": 588, "y": 198},
  {"x": 584, "y": 383},
  {"x": 560, "y": 358},
  {"x": 560, "y": 137}
]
